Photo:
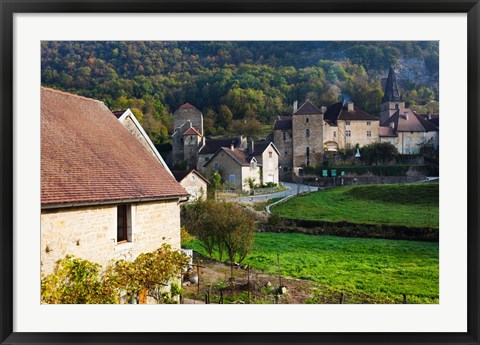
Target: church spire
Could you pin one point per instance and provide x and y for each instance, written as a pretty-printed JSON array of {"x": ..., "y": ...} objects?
[{"x": 392, "y": 93}]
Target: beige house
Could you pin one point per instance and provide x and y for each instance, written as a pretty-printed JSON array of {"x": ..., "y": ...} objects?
[
  {"x": 235, "y": 166},
  {"x": 193, "y": 182},
  {"x": 347, "y": 126},
  {"x": 104, "y": 195}
]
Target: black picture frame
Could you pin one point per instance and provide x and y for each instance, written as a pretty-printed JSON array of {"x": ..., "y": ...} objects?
[{"x": 9, "y": 7}]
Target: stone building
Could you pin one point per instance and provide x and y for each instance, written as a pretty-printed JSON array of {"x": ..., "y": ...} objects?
[
  {"x": 235, "y": 166},
  {"x": 104, "y": 195},
  {"x": 402, "y": 126},
  {"x": 347, "y": 126},
  {"x": 307, "y": 135},
  {"x": 304, "y": 137},
  {"x": 188, "y": 135}
]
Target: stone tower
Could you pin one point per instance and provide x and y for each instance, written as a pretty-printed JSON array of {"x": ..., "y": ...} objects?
[
  {"x": 184, "y": 118},
  {"x": 307, "y": 132},
  {"x": 392, "y": 100}
]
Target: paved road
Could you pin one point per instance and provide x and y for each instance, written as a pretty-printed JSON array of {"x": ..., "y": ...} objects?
[{"x": 292, "y": 189}]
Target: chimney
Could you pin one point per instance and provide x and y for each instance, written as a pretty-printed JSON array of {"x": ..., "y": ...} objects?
[
  {"x": 232, "y": 146},
  {"x": 392, "y": 125},
  {"x": 251, "y": 147},
  {"x": 406, "y": 115},
  {"x": 429, "y": 115},
  {"x": 323, "y": 109},
  {"x": 350, "y": 106},
  {"x": 295, "y": 106}
]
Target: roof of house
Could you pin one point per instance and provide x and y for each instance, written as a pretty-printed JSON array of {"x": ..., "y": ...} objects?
[
  {"x": 186, "y": 108},
  {"x": 192, "y": 131},
  {"x": 238, "y": 155},
  {"x": 387, "y": 132},
  {"x": 181, "y": 174},
  {"x": 89, "y": 157},
  {"x": 213, "y": 145},
  {"x": 260, "y": 146},
  {"x": 283, "y": 123},
  {"x": 307, "y": 108},
  {"x": 339, "y": 111},
  {"x": 410, "y": 123},
  {"x": 118, "y": 113}
]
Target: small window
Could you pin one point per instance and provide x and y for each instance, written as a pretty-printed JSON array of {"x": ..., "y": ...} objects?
[
  {"x": 284, "y": 135},
  {"x": 369, "y": 123},
  {"x": 334, "y": 134},
  {"x": 286, "y": 152},
  {"x": 124, "y": 227},
  {"x": 307, "y": 151},
  {"x": 285, "y": 169},
  {"x": 216, "y": 166},
  {"x": 233, "y": 178},
  {"x": 369, "y": 133},
  {"x": 270, "y": 154},
  {"x": 348, "y": 133},
  {"x": 347, "y": 123},
  {"x": 207, "y": 158},
  {"x": 193, "y": 177},
  {"x": 306, "y": 120},
  {"x": 348, "y": 146},
  {"x": 307, "y": 133},
  {"x": 396, "y": 105},
  {"x": 308, "y": 161}
]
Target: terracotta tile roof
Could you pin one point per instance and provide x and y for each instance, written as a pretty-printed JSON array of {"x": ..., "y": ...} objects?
[
  {"x": 283, "y": 123},
  {"x": 307, "y": 108},
  {"x": 187, "y": 106},
  {"x": 192, "y": 131},
  {"x": 89, "y": 157},
  {"x": 339, "y": 111}
]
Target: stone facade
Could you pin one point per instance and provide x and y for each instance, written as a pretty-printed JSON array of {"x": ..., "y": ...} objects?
[
  {"x": 359, "y": 132},
  {"x": 233, "y": 173},
  {"x": 307, "y": 139},
  {"x": 409, "y": 142},
  {"x": 90, "y": 232},
  {"x": 284, "y": 142}
]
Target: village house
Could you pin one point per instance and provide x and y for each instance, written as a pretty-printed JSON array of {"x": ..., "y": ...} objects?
[
  {"x": 104, "y": 194},
  {"x": 193, "y": 182}
]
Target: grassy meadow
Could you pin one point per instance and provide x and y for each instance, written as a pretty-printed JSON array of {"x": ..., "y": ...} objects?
[
  {"x": 366, "y": 270},
  {"x": 413, "y": 205}
]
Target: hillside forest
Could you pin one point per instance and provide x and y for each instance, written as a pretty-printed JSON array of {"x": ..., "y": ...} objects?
[{"x": 240, "y": 86}]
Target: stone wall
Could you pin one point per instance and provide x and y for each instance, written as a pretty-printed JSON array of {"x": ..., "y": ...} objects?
[
  {"x": 409, "y": 142},
  {"x": 285, "y": 147},
  {"x": 226, "y": 166},
  {"x": 358, "y": 133},
  {"x": 313, "y": 142},
  {"x": 90, "y": 232}
]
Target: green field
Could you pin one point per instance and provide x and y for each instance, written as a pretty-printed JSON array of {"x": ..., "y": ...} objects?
[
  {"x": 413, "y": 205},
  {"x": 367, "y": 270}
]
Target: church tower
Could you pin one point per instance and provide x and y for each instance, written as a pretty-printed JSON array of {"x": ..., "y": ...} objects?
[{"x": 392, "y": 100}]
